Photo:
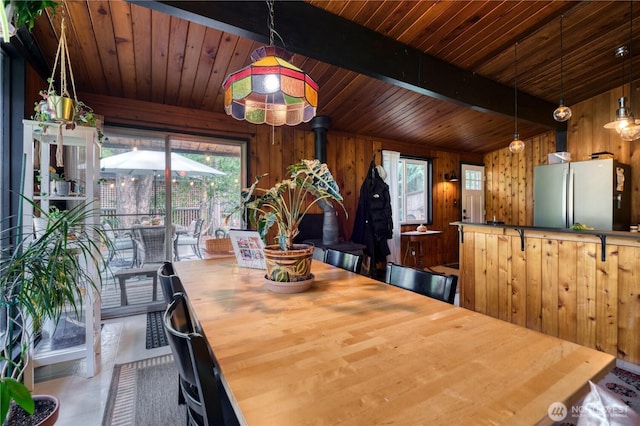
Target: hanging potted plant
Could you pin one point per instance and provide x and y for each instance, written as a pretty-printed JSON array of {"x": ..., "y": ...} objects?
[
  {"x": 284, "y": 205},
  {"x": 62, "y": 107},
  {"x": 59, "y": 106}
]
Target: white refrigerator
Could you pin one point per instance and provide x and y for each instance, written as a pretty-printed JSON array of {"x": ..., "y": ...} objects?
[{"x": 596, "y": 193}]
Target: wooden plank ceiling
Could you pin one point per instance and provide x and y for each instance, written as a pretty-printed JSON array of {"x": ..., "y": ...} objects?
[{"x": 131, "y": 51}]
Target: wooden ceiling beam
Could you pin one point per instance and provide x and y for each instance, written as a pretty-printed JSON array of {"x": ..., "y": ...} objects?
[{"x": 312, "y": 32}]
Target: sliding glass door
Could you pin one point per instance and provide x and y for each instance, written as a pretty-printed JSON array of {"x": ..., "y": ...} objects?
[{"x": 164, "y": 194}]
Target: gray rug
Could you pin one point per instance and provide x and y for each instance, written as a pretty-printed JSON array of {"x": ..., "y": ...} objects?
[{"x": 144, "y": 393}]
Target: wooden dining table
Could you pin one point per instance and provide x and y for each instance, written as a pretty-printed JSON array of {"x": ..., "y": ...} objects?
[{"x": 355, "y": 351}]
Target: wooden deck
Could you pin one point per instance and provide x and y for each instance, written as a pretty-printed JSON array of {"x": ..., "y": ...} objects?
[{"x": 139, "y": 289}]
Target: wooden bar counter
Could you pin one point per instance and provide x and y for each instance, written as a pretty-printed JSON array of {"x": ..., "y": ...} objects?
[
  {"x": 581, "y": 286},
  {"x": 355, "y": 351}
]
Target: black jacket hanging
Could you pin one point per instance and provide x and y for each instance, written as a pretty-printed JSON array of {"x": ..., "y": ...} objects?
[{"x": 373, "y": 225}]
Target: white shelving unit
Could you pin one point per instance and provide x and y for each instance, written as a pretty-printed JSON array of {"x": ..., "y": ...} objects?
[{"x": 81, "y": 163}]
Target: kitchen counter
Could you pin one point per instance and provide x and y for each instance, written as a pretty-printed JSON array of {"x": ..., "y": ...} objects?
[{"x": 582, "y": 286}]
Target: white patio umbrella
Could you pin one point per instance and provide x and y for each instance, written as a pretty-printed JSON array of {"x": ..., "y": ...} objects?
[{"x": 152, "y": 162}]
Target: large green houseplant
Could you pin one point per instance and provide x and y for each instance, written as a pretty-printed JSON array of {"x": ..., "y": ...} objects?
[
  {"x": 284, "y": 205},
  {"x": 15, "y": 13},
  {"x": 42, "y": 277}
]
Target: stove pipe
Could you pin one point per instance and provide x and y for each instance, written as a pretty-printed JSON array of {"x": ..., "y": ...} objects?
[{"x": 320, "y": 125}]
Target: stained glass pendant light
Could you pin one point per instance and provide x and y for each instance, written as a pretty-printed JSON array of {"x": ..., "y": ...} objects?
[
  {"x": 563, "y": 112},
  {"x": 516, "y": 146},
  {"x": 270, "y": 90}
]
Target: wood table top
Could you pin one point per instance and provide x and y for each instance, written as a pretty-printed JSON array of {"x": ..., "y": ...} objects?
[
  {"x": 420, "y": 233},
  {"x": 352, "y": 350}
]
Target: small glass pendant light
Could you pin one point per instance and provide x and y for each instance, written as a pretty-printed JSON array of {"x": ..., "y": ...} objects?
[
  {"x": 516, "y": 146},
  {"x": 563, "y": 112},
  {"x": 630, "y": 131}
]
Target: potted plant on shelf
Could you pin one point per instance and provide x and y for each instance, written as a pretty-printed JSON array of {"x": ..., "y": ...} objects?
[
  {"x": 284, "y": 205},
  {"x": 58, "y": 185},
  {"x": 40, "y": 279}
]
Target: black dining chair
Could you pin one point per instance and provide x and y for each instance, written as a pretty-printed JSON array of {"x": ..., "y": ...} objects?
[
  {"x": 200, "y": 386},
  {"x": 169, "y": 281},
  {"x": 349, "y": 261},
  {"x": 437, "y": 286}
]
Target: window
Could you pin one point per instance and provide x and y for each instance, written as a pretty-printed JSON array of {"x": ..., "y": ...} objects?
[
  {"x": 414, "y": 190},
  {"x": 473, "y": 180}
]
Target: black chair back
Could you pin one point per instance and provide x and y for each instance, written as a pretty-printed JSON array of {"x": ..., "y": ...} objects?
[
  {"x": 169, "y": 281},
  {"x": 204, "y": 395},
  {"x": 349, "y": 261},
  {"x": 437, "y": 286}
]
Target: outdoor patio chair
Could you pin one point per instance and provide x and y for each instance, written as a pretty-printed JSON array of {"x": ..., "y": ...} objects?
[
  {"x": 191, "y": 239},
  {"x": 150, "y": 243},
  {"x": 118, "y": 245},
  {"x": 199, "y": 377}
]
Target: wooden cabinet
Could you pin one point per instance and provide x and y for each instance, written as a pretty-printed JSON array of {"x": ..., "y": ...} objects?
[
  {"x": 578, "y": 286},
  {"x": 73, "y": 338}
]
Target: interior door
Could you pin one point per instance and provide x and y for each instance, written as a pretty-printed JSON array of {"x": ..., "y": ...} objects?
[{"x": 473, "y": 208}]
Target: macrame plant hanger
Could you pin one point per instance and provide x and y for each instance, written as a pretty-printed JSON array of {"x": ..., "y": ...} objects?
[{"x": 62, "y": 56}]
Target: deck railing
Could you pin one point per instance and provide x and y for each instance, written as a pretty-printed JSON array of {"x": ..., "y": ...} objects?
[{"x": 179, "y": 216}]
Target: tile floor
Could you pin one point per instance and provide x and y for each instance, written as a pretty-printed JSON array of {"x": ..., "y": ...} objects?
[{"x": 82, "y": 400}]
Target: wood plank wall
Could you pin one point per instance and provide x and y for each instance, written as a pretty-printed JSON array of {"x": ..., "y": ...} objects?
[
  {"x": 271, "y": 150},
  {"x": 586, "y": 135},
  {"x": 558, "y": 285},
  {"x": 509, "y": 180},
  {"x": 509, "y": 184}
]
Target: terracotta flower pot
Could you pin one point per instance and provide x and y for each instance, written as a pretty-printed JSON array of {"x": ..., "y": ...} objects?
[
  {"x": 46, "y": 412},
  {"x": 288, "y": 265}
]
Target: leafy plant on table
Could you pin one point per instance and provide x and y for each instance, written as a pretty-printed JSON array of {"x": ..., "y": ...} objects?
[{"x": 287, "y": 202}]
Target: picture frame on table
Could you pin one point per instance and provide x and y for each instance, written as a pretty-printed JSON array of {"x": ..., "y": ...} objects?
[{"x": 247, "y": 246}]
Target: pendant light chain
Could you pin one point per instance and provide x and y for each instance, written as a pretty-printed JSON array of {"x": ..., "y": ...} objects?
[
  {"x": 563, "y": 112},
  {"x": 516, "y": 92},
  {"x": 630, "y": 55},
  {"x": 516, "y": 146},
  {"x": 561, "y": 63},
  {"x": 271, "y": 24}
]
